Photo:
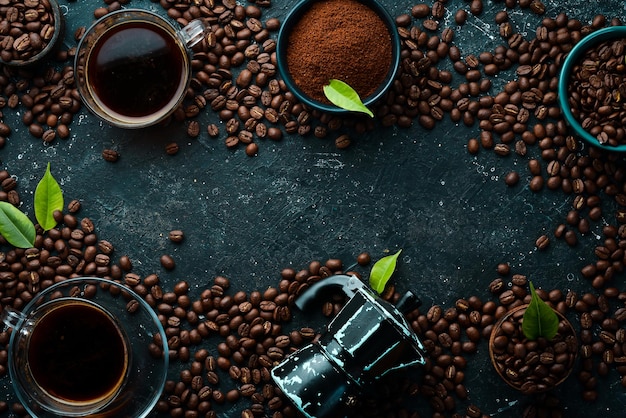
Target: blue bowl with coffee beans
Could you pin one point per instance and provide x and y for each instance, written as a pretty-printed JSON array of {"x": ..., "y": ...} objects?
[
  {"x": 354, "y": 41},
  {"x": 593, "y": 109},
  {"x": 40, "y": 31}
]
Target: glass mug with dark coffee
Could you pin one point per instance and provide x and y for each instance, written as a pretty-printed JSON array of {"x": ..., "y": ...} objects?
[
  {"x": 133, "y": 67},
  {"x": 87, "y": 347}
]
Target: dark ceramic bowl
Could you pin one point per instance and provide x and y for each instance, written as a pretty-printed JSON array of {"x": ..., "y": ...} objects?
[
  {"x": 281, "y": 55},
  {"x": 589, "y": 41}
]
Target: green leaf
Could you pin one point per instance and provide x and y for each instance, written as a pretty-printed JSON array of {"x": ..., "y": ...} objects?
[
  {"x": 342, "y": 95},
  {"x": 382, "y": 271},
  {"x": 540, "y": 320},
  {"x": 15, "y": 226},
  {"x": 48, "y": 198}
]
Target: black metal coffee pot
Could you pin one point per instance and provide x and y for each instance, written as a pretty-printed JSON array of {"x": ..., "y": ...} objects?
[{"x": 368, "y": 339}]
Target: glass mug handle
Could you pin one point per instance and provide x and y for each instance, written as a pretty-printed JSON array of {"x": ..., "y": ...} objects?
[
  {"x": 12, "y": 318},
  {"x": 193, "y": 32}
]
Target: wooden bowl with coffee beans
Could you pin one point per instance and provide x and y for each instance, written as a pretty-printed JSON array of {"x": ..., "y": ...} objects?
[{"x": 532, "y": 365}]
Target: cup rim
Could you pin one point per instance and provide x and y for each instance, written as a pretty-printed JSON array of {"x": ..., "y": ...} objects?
[
  {"x": 281, "y": 47},
  {"x": 571, "y": 60},
  {"x": 124, "y": 122},
  {"x": 59, "y": 26},
  {"x": 31, "y": 305}
]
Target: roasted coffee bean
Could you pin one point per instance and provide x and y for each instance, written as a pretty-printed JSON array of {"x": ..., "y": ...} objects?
[
  {"x": 172, "y": 148},
  {"x": 460, "y": 17},
  {"x": 167, "y": 262},
  {"x": 176, "y": 235},
  {"x": 420, "y": 10},
  {"x": 342, "y": 142},
  {"x": 110, "y": 155}
]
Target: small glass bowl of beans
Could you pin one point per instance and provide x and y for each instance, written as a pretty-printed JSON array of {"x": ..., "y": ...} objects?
[
  {"x": 592, "y": 88},
  {"x": 29, "y": 31}
]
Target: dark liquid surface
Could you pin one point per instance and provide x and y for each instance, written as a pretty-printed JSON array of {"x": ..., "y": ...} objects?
[
  {"x": 135, "y": 68},
  {"x": 76, "y": 353}
]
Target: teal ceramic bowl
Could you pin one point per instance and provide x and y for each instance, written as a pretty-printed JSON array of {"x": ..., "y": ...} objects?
[
  {"x": 281, "y": 56},
  {"x": 572, "y": 59}
]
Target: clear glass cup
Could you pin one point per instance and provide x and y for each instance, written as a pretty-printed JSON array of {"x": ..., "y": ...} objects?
[
  {"x": 133, "y": 67},
  {"x": 86, "y": 347}
]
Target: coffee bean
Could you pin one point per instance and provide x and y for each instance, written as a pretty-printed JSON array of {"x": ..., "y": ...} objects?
[
  {"x": 420, "y": 10},
  {"x": 167, "y": 262},
  {"x": 171, "y": 148},
  {"x": 74, "y": 206},
  {"x": 430, "y": 25},
  {"x": 342, "y": 142},
  {"x": 252, "y": 149},
  {"x": 476, "y": 7},
  {"x": 176, "y": 235},
  {"x": 110, "y": 155},
  {"x": 438, "y": 10},
  {"x": 460, "y": 17},
  {"x": 274, "y": 133}
]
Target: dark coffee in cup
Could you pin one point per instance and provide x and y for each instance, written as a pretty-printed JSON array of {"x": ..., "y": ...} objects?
[
  {"x": 133, "y": 67},
  {"x": 136, "y": 68},
  {"x": 77, "y": 353}
]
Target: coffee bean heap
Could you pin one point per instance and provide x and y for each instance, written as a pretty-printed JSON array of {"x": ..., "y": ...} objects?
[
  {"x": 226, "y": 340},
  {"x": 234, "y": 74},
  {"x": 48, "y": 97},
  {"x": 597, "y": 88},
  {"x": 26, "y": 29},
  {"x": 524, "y": 115}
]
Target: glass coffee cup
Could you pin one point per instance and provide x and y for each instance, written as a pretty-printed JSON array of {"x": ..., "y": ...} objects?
[
  {"x": 133, "y": 67},
  {"x": 86, "y": 347}
]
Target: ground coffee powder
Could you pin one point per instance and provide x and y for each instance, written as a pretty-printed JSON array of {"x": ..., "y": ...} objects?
[{"x": 339, "y": 39}]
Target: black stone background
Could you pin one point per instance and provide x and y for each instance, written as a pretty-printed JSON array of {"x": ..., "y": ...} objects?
[{"x": 301, "y": 199}]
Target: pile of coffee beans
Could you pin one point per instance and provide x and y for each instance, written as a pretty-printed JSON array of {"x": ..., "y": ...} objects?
[
  {"x": 225, "y": 341},
  {"x": 26, "y": 29},
  {"x": 597, "y": 87}
]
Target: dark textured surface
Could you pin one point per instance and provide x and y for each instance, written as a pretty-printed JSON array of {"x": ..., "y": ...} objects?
[{"x": 301, "y": 199}]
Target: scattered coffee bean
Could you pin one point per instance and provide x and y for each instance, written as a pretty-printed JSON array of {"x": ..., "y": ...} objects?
[
  {"x": 511, "y": 179},
  {"x": 110, "y": 155},
  {"x": 542, "y": 242},
  {"x": 172, "y": 148},
  {"x": 168, "y": 262},
  {"x": 252, "y": 149},
  {"x": 176, "y": 235}
]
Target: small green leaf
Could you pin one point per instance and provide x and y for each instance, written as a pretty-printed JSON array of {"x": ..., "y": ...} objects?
[
  {"x": 382, "y": 271},
  {"x": 48, "y": 198},
  {"x": 540, "y": 320},
  {"x": 342, "y": 95},
  {"x": 15, "y": 226}
]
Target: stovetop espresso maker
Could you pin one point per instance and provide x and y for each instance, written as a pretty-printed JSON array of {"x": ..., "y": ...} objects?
[{"x": 367, "y": 340}]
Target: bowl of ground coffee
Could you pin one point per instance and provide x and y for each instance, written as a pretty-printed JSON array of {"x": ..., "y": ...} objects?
[
  {"x": 349, "y": 40},
  {"x": 592, "y": 88}
]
